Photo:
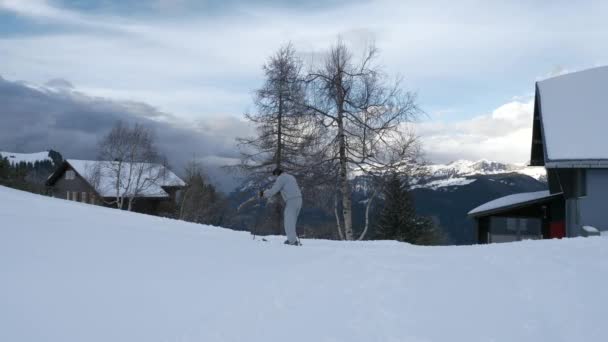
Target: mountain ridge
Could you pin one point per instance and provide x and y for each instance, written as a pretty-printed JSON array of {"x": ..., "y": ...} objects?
[{"x": 463, "y": 168}]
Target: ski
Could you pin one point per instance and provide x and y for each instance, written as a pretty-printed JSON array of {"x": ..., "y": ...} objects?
[{"x": 247, "y": 202}]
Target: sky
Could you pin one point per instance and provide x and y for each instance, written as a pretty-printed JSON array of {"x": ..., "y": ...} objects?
[{"x": 193, "y": 65}]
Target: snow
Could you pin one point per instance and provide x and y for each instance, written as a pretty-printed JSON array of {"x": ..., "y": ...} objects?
[
  {"x": 16, "y": 158},
  {"x": 106, "y": 182},
  {"x": 590, "y": 231},
  {"x": 536, "y": 172},
  {"x": 463, "y": 168},
  {"x": 510, "y": 200},
  {"x": 575, "y": 115},
  {"x": 458, "y": 173},
  {"x": 442, "y": 183},
  {"x": 77, "y": 272}
]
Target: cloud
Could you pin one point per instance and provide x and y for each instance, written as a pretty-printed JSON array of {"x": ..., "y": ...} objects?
[
  {"x": 504, "y": 135},
  {"x": 446, "y": 51},
  {"x": 462, "y": 56},
  {"x": 36, "y": 118}
]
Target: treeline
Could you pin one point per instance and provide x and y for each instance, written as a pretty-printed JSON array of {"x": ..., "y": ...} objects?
[{"x": 28, "y": 176}]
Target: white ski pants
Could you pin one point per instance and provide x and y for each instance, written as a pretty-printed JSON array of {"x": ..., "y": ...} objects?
[{"x": 290, "y": 217}]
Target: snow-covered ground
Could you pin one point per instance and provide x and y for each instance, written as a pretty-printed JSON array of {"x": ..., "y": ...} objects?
[
  {"x": 75, "y": 272},
  {"x": 16, "y": 158}
]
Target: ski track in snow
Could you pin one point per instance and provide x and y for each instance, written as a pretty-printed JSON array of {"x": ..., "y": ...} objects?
[{"x": 76, "y": 272}]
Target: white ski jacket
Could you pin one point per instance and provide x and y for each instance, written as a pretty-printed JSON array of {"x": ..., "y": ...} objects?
[{"x": 287, "y": 185}]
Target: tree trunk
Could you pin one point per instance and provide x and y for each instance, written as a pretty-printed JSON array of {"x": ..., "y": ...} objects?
[
  {"x": 369, "y": 205},
  {"x": 338, "y": 223},
  {"x": 184, "y": 198},
  {"x": 343, "y": 179},
  {"x": 280, "y": 133}
]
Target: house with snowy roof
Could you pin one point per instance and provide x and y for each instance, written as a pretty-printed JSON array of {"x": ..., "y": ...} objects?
[
  {"x": 149, "y": 186},
  {"x": 569, "y": 139}
]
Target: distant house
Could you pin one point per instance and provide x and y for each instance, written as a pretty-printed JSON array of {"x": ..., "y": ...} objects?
[
  {"x": 569, "y": 139},
  {"x": 97, "y": 182}
]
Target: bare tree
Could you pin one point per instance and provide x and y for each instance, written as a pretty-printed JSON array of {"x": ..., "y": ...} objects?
[
  {"x": 285, "y": 135},
  {"x": 363, "y": 115},
  {"x": 130, "y": 165},
  {"x": 403, "y": 158},
  {"x": 282, "y": 130}
]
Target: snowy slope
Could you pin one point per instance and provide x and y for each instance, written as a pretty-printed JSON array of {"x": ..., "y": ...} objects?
[
  {"x": 445, "y": 182},
  {"x": 75, "y": 272},
  {"x": 16, "y": 158}
]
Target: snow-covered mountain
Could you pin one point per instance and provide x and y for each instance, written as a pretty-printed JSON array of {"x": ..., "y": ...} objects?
[
  {"x": 463, "y": 168},
  {"x": 463, "y": 172}
]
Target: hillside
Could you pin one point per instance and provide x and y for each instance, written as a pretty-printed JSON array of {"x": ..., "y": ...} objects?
[{"x": 75, "y": 272}]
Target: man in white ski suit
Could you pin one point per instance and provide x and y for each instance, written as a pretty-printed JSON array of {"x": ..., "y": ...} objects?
[{"x": 290, "y": 191}]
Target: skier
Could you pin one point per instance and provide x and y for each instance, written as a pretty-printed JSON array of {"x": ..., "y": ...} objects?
[{"x": 292, "y": 196}]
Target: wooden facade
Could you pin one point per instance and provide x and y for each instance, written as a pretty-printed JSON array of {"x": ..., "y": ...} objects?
[{"x": 68, "y": 184}]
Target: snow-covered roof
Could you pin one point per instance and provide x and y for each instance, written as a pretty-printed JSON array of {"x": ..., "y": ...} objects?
[
  {"x": 16, "y": 158},
  {"x": 512, "y": 201},
  {"x": 574, "y": 114},
  {"x": 102, "y": 176}
]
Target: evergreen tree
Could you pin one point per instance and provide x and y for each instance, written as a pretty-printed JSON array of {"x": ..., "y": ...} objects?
[
  {"x": 56, "y": 157},
  {"x": 5, "y": 171},
  {"x": 398, "y": 219}
]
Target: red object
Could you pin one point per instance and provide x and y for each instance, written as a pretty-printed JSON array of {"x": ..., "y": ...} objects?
[{"x": 557, "y": 230}]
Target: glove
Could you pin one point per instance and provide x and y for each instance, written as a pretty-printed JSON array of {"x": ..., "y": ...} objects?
[{"x": 261, "y": 193}]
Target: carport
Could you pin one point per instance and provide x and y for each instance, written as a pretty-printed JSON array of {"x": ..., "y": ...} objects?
[{"x": 524, "y": 216}]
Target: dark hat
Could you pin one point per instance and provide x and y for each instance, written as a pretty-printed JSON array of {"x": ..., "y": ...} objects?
[{"x": 277, "y": 171}]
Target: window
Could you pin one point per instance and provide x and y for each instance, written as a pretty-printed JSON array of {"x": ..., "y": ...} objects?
[
  {"x": 75, "y": 196},
  {"x": 83, "y": 197},
  {"x": 70, "y": 175},
  {"x": 506, "y": 229},
  {"x": 67, "y": 196}
]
